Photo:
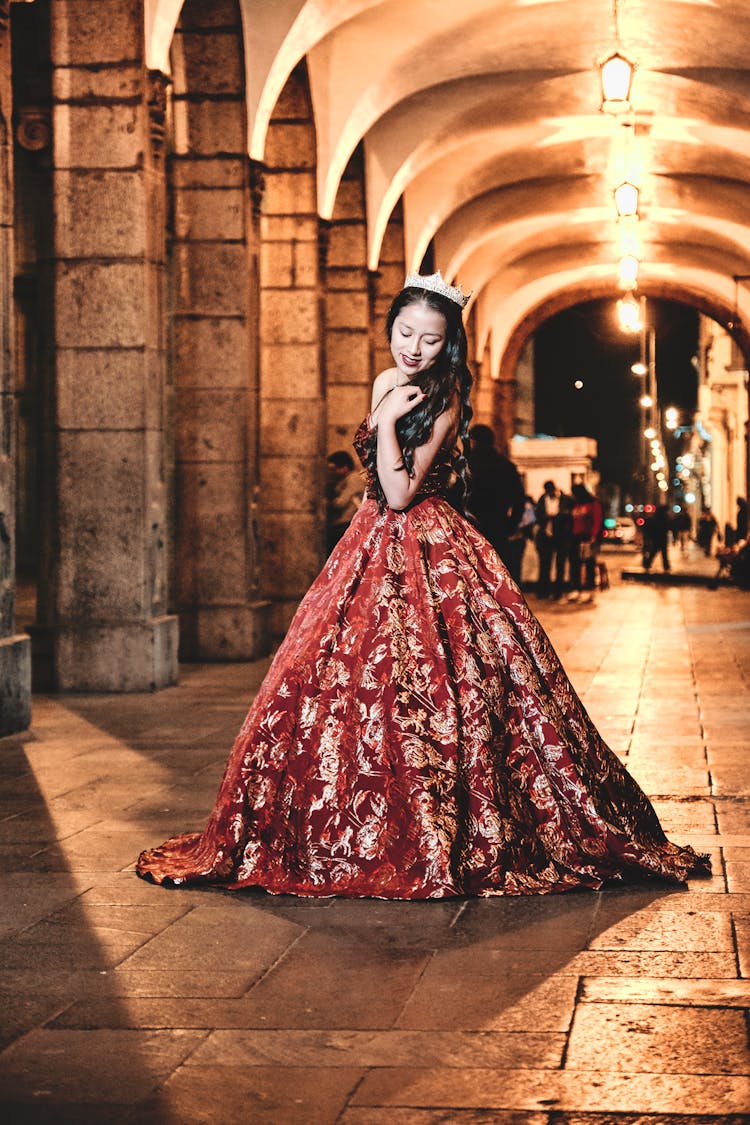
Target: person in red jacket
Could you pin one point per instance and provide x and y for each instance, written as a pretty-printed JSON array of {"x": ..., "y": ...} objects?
[{"x": 588, "y": 519}]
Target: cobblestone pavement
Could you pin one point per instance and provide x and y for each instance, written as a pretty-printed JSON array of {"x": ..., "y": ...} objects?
[{"x": 127, "y": 1003}]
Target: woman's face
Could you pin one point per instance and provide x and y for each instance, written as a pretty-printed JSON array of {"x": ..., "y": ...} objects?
[{"x": 417, "y": 338}]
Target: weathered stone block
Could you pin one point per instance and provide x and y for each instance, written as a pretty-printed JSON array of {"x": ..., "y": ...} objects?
[
  {"x": 347, "y": 246},
  {"x": 350, "y": 200},
  {"x": 289, "y": 228},
  {"x": 211, "y": 352},
  {"x": 277, "y": 264},
  {"x": 209, "y": 128},
  {"x": 347, "y": 357},
  {"x": 212, "y": 278},
  {"x": 292, "y": 103},
  {"x": 101, "y": 389},
  {"x": 15, "y": 684},
  {"x": 291, "y": 483},
  {"x": 212, "y": 214},
  {"x": 290, "y": 145},
  {"x": 100, "y": 214},
  {"x": 390, "y": 281},
  {"x": 120, "y": 657},
  {"x": 219, "y": 13},
  {"x": 289, "y": 193},
  {"x": 211, "y": 534},
  {"x": 103, "y": 305},
  {"x": 210, "y": 425},
  {"x": 98, "y": 136},
  {"x": 392, "y": 249},
  {"x": 219, "y": 172},
  {"x": 212, "y": 64},
  {"x": 291, "y": 553},
  {"x": 343, "y": 277},
  {"x": 102, "y": 535},
  {"x": 80, "y": 83},
  {"x": 226, "y": 632},
  {"x": 290, "y": 371},
  {"x": 291, "y": 427},
  {"x": 78, "y": 34},
  {"x": 347, "y": 310},
  {"x": 289, "y": 316},
  {"x": 347, "y": 406},
  {"x": 306, "y": 255}
]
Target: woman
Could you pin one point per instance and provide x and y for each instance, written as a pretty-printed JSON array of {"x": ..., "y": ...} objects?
[{"x": 416, "y": 736}]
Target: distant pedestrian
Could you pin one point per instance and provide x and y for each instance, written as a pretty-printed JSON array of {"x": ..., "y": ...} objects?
[
  {"x": 681, "y": 528},
  {"x": 547, "y": 510},
  {"x": 345, "y": 494},
  {"x": 741, "y": 525},
  {"x": 588, "y": 520},
  {"x": 707, "y": 529},
  {"x": 655, "y": 536},
  {"x": 496, "y": 499}
]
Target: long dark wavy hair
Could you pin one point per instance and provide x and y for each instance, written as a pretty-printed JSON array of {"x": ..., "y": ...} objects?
[{"x": 449, "y": 374}]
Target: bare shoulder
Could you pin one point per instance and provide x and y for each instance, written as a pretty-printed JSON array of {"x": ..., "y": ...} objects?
[{"x": 383, "y": 383}]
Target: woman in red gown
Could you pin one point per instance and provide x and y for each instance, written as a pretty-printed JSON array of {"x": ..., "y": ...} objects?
[{"x": 416, "y": 735}]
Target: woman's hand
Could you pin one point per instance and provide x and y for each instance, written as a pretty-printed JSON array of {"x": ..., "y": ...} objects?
[{"x": 399, "y": 402}]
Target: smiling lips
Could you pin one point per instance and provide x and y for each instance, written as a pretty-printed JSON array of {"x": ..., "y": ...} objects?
[{"x": 409, "y": 361}]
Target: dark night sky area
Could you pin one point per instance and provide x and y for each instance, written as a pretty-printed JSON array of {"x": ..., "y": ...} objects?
[{"x": 585, "y": 343}]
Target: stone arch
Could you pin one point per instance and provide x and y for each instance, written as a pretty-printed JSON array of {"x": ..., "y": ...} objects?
[{"x": 213, "y": 342}]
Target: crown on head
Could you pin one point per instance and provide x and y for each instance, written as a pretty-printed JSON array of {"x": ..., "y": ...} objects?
[{"x": 434, "y": 282}]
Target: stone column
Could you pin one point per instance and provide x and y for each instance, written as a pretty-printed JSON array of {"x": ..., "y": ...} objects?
[
  {"x": 103, "y": 621},
  {"x": 292, "y": 456},
  {"x": 214, "y": 360},
  {"x": 348, "y": 376},
  {"x": 484, "y": 390},
  {"x": 15, "y": 649}
]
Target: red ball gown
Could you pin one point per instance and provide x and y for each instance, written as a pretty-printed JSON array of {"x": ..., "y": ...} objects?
[{"x": 416, "y": 737}]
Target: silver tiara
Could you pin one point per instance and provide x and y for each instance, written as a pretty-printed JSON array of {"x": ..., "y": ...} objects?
[{"x": 434, "y": 282}]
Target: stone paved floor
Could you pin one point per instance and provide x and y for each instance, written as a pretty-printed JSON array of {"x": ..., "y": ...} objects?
[{"x": 128, "y": 1003}]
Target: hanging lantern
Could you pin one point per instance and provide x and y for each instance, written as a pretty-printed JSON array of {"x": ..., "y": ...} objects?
[
  {"x": 626, "y": 200},
  {"x": 629, "y": 314},
  {"x": 616, "y": 79}
]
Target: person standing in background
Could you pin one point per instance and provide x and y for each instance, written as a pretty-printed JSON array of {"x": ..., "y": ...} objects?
[
  {"x": 345, "y": 492},
  {"x": 496, "y": 498},
  {"x": 547, "y": 510},
  {"x": 588, "y": 520}
]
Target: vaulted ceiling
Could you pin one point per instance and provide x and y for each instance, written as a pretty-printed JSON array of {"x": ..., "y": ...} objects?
[{"x": 484, "y": 116}]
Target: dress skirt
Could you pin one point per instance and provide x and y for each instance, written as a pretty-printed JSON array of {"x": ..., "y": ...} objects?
[{"x": 417, "y": 737}]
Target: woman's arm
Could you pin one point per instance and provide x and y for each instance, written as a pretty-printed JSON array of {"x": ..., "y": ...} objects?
[{"x": 400, "y": 488}]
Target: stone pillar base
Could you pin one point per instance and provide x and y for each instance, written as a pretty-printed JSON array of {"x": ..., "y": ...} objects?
[
  {"x": 232, "y": 632},
  {"x": 15, "y": 683},
  {"x": 117, "y": 658}
]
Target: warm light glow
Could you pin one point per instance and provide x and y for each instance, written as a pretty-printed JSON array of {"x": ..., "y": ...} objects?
[
  {"x": 663, "y": 485},
  {"x": 646, "y": 401},
  {"x": 628, "y": 267},
  {"x": 629, "y": 314},
  {"x": 616, "y": 77},
  {"x": 649, "y": 433},
  {"x": 640, "y": 369},
  {"x": 626, "y": 200}
]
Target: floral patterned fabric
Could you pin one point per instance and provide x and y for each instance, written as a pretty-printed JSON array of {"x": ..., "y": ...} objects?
[{"x": 417, "y": 737}]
